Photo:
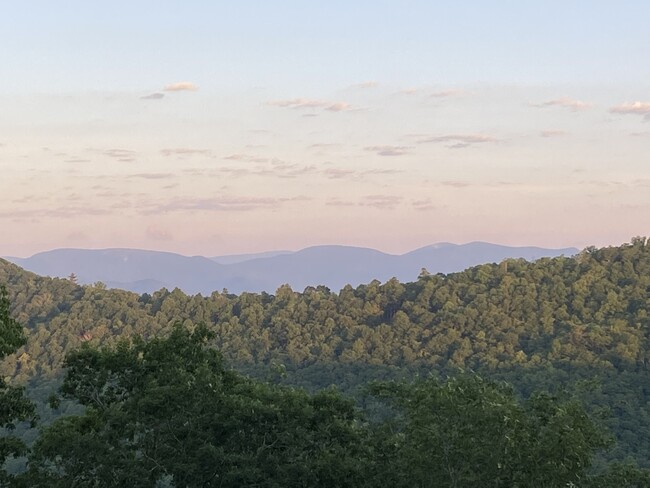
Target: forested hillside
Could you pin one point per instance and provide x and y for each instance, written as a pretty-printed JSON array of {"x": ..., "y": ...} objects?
[{"x": 545, "y": 324}]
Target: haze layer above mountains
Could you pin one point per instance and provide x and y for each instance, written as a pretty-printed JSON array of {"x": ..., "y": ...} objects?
[{"x": 332, "y": 266}]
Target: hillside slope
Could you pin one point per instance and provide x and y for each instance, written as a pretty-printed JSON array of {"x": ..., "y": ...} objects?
[{"x": 545, "y": 323}]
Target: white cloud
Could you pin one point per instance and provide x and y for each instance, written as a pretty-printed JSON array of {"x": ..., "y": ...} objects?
[
  {"x": 306, "y": 103},
  {"x": 181, "y": 86}
]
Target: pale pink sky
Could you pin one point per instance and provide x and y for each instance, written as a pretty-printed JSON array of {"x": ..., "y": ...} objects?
[{"x": 175, "y": 135}]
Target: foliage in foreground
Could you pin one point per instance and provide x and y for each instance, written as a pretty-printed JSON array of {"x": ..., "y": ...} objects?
[
  {"x": 168, "y": 412},
  {"x": 168, "y": 409},
  {"x": 14, "y": 406}
]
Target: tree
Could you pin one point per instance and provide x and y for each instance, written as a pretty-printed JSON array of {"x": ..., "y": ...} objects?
[
  {"x": 14, "y": 406},
  {"x": 467, "y": 432},
  {"x": 169, "y": 411}
]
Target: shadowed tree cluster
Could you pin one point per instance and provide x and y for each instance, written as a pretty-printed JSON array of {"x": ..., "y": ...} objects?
[{"x": 168, "y": 412}]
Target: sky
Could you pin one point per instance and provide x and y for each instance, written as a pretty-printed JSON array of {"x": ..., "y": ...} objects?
[{"x": 213, "y": 127}]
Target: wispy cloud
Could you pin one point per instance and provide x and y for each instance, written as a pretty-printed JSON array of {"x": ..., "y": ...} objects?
[
  {"x": 121, "y": 155},
  {"x": 324, "y": 145},
  {"x": 307, "y": 103},
  {"x": 386, "y": 202},
  {"x": 153, "y": 96},
  {"x": 552, "y": 133},
  {"x": 381, "y": 201},
  {"x": 63, "y": 212},
  {"x": 450, "y": 93},
  {"x": 219, "y": 204},
  {"x": 423, "y": 204},
  {"x": 77, "y": 160},
  {"x": 635, "y": 108},
  {"x": 338, "y": 173},
  {"x": 439, "y": 94},
  {"x": 455, "y": 184},
  {"x": 366, "y": 84},
  {"x": 247, "y": 158},
  {"x": 184, "y": 151},
  {"x": 389, "y": 150},
  {"x": 181, "y": 86},
  {"x": 381, "y": 172},
  {"x": 351, "y": 174},
  {"x": 284, "y": 171},
  {"x": 565, "y": 102},
  {"x": 151, "y": 176},
  {"x": 269, "y": 167},
  {"x": 410, "y": 91},
  {"x": 337, "y": 202},
  {"x": 459, "y": 141}
]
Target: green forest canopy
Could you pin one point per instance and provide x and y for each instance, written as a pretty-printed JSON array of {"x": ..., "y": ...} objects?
[{"x": 550, "y": 323}]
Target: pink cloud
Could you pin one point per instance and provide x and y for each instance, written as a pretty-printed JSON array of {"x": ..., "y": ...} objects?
[
  {"x": 636, "y": 108},
  {"x": 565, "y": 102},
  {"x": 181, "y": 86}
]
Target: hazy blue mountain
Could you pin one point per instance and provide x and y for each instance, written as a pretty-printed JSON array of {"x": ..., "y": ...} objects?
[
  {"x": 450, "y": 258},
  {"x": 240, "y": 258},
  {"x": 130, "y": 269},
  {"x": 332, "y": 266}
]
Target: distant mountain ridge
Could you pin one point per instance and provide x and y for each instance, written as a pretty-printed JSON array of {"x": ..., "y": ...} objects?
[{"x": 332, "y": 266}]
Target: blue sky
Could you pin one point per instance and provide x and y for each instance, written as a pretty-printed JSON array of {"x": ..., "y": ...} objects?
[
  {"x": 215, "y": 127},
  {"x": 80, "y": 45}
]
